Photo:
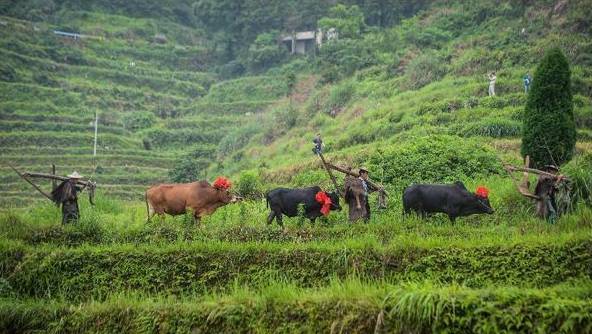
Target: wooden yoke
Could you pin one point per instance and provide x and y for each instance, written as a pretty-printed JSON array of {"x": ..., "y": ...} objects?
[
  {"x": 85, "y": 184},
  {"x": 325, "y": 164},
  {"x": 349, "y": 172},
  {"x": 523, "y": 187}
]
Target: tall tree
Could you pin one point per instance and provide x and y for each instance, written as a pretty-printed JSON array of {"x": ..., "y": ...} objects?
[{"x": 549, "y": 133}]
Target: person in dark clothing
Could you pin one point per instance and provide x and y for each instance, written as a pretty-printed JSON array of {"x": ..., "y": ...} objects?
[
  {"x": 527, "y": 80},
  {"x": 545, "y": 189},
  {"x": 318, "y": 148},
  {"x": 66, "y": 194},
  {"x": 367, "y": 188},
  {"x": 356, "y": 195}
]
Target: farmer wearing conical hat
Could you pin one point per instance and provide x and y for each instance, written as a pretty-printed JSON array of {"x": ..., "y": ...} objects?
[{"x": 66, "y": 195}]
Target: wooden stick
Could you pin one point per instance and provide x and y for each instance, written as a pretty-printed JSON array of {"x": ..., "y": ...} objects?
[
  {"x": 330, "y": 174},
  {"x": 349, "y": 172},
  {"x": 511, "y": 168},
  {"x": 54, "y": 177},
  {"x": 53, "y": 181},
  {"x": 31, "y": 183}
]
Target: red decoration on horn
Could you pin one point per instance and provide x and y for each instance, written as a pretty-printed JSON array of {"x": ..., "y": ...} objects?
[
  {"x": 325, "y": 201},
  {"x": 482, "y": 192},
  {"x": 222, "y": 183}
]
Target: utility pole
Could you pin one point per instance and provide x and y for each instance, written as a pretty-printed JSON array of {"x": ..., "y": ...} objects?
[{"x": 96, "y": 131}]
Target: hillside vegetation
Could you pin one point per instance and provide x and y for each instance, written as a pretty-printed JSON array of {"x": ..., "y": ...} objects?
[{"x": 189, "y": 90}]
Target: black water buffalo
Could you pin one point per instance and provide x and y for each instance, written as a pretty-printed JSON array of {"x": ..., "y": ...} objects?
[
  {"x": 286, "y": 201},
  {"x": 453, "y": 199}
]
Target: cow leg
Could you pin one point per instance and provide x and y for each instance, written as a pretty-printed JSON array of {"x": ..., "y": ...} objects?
[
  {"x": 270, "y": 217},
  {"x": 278, "y": 218},
  {"x": 452, "y": 218},
  {"x": 312, "y": 220},
  {"x": 197, "y": 219},
  {"x": 151, "y": 212}
]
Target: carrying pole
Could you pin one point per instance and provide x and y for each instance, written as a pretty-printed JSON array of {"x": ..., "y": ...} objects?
[
  {"x": 53, "y": 181},
  {"x": 349, "y": 172},
  {"x": 31, "y": 183},
  {"x": 330, "y": 173}
]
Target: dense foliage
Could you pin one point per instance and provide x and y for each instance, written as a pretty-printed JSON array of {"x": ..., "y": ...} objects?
[{"x": 549, "y": 131}]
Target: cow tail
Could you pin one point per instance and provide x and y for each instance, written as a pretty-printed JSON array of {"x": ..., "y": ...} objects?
[
  {"x": 147, "y": 205},
  {"x": 267, "y": 200}
]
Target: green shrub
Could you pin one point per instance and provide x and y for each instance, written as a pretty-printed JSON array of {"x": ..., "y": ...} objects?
[
  {"x": 192, "y": 166},
  {"x": 162, "y": 138},
  {"x": 339, "y": 96},
  {"x": 342, "y": 57},
  {"x": 236, "y": 139},
  {"x": 95, "y": 272},
  {"x": 249, "y": 185},
  {"x": 549, "y": 135},
  {"x": 352, "y": 305},
  {"x": 579, "y": 172},
  {"x": 436, "y": 107},
  {"x": 135, "y": 121},
  {"x": 426, "y": 68},
  {"x": 7, "y": 73},
  {"x": 436, "y": 158},
  {"x": 265, "y": 52},
  {"x": 496, "y": 127}
]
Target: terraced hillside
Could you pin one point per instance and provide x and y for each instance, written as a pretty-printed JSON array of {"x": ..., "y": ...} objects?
[{"x": 152, "y": 103}]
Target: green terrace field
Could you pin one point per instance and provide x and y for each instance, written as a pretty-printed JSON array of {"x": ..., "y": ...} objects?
[
  {"x": 115, "y": 272},
  {"x": 153, "y": 106}
]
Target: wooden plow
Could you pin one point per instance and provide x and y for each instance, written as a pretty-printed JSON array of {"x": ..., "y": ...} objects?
[
  {"x": 28, "y": 176},
  {"x": 561, "y": 184},
  {"x": 382, "y": 194}
]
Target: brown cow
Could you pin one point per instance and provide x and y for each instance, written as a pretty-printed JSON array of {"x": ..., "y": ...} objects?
[{"x": 201, "y": 197}]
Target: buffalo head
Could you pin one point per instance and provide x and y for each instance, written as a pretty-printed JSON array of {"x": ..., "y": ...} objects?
[{"x": 334, "y": 196}]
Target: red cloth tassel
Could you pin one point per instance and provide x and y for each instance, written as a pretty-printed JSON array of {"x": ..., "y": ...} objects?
[
  {"x": 324, "y": 200},
  {"x": 222, "y": 183},
  {"x": 482, "y": 192}
]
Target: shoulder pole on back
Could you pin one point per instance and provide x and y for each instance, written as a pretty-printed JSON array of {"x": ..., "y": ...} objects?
[{"x": 330, "y": 173}]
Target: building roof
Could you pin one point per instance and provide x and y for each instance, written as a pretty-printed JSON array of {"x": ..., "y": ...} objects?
[{"x": 303, "y": 35}]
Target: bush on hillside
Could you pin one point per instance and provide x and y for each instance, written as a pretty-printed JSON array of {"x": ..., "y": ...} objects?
[
  {"x": 347, "y": 21},
  {"x": 434, "y": 159},
  {"x": 429, "y": 37},
  {"x": 265, "y": 52},
  {"x": 496, "y": 127},
  {"x": 549, "y": 135},
  {"x": 138, "y": 120},
  {"x": 341, "y": 58},
  {"x": 236, "y": 139},
  {"x": 579, "y": 172},
  {"x": 440, "y": 106},
  {"x": 339, "y": 96},
  {"x": 44, "y": 79},
  {"x": 193, "y": 165},
  {"x": 7, "y": 73},
  {"x": 249, "y": 185},
  {"x": 425, "y": 69},
  {"x": 161, "y": 138}
]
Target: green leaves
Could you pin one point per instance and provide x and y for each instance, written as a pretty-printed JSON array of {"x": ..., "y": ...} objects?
[
  {"x": 549, "y": 133},
  {"x": 437, "y": 158},
  {"x": 347, "y": 21}
]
